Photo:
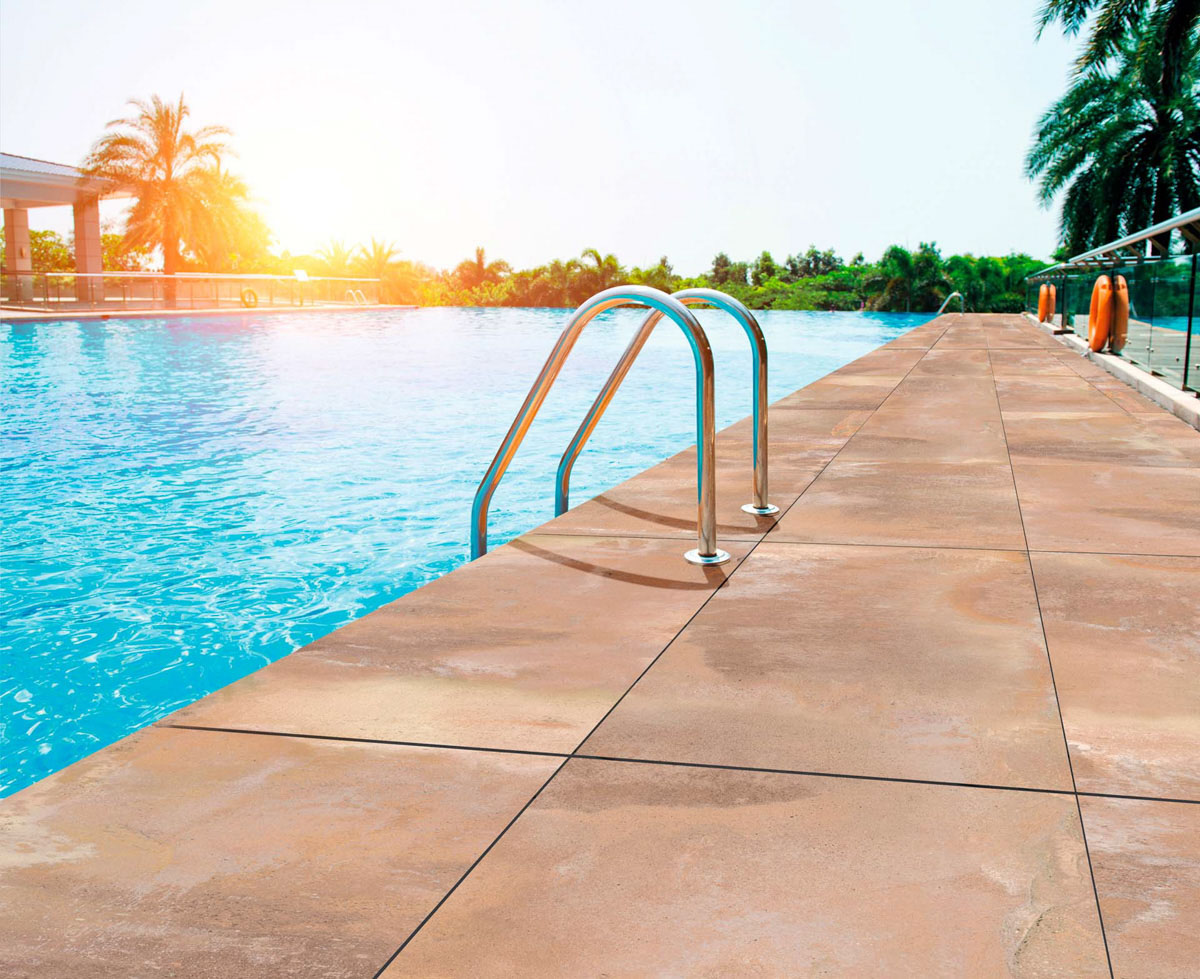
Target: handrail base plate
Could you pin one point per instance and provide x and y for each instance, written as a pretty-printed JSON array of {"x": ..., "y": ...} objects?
[
  {"x": 695, "y": 557},
  {"x": 760, "y": 511}
]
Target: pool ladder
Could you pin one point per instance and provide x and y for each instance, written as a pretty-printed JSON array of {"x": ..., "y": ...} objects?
[
  {"x": 962, "y": 304},
  {"x": 676, "y": 308}
]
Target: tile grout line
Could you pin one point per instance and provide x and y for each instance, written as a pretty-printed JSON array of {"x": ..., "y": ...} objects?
[
  {"x": 690, "y": 619},
  {"x": 1053, "y": 682},
  {"x": 466, "y": 873},
  {"x": 752, "y": 769}
]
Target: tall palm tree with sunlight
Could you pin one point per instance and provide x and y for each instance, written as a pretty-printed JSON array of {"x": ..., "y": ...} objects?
[
  {"x": 1123, "y": 150},
  {"x": 604, "y": 272},
  {"x": 335, "y": 258},
  {"x": 151, "y": 155},
  {"x": 470, "y": 274},
  {"x": 375, "y": 259}
]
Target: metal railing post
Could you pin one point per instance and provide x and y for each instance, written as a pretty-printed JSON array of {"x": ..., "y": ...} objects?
[
  {"x": 707, "y": 551},
  {"x": 760, "y": 505}
]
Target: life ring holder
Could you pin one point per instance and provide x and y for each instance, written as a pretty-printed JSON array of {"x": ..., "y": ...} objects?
[
  {"x": 1100, "y": 314},
  {"x": 249, "y": 298}
]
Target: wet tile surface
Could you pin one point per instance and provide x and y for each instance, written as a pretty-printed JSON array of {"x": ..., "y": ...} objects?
[
  {"x": 893, "y": 662},
  {"x": 1146, "y": 861},
  {"x": 525, "y": 649},
  {"x": 223, "y": 856},
  {"x": 1124, "y": 637},
  {"x": 632, "y": 870}
]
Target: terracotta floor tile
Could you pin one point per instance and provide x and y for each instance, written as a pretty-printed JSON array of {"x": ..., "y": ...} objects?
[
  {"x": 1129, "y": 399},
  {"x": 1124, "y": 635},
  {"x": 944, "y": 361},
  {"x": 223, "y": 856},
  {"x": 925, "y": 504},
  {"x": 640, "y": 870},
  {"x": 1091, "y": 437},
  {"x": 862, "y": 391},
  {"x": 1175, "y": 433},
  {"x": 883, "y": 361},
  {"x": 947, "y": 396},
  {"x": 1024, "y": 361},
  {"x": 902, "y": 432},
  {"x": 886, "y": 661},
  {"x": 1078, "y": 506},
  {"x": 1146, "y": 859},
  {"x": 1051, "y": 393},
  {"x": 526, "y": 648}
]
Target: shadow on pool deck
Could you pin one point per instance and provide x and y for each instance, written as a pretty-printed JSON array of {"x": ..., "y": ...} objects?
[{"x": 937, "y": 718}]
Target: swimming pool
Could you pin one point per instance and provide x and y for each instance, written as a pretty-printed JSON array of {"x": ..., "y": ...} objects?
[{"x": 186, "y": 500}]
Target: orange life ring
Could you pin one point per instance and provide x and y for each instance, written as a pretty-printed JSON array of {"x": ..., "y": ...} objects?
[
  {"x": 1043, "y": 299},
  {"x": 249, "y": 298},
  {"x": 1053, "y": 297},
  {"x": 1120, "y": 318},
  {"x": 1100, "y": 313}
]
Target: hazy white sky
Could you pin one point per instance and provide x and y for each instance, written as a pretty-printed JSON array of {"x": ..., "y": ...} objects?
[{"x": 537, "y": 129}]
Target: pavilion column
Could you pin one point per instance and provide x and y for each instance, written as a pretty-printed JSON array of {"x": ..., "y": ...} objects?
[
  {"x": 17, "y": 255},
  {"x": 88, "y": 256}
]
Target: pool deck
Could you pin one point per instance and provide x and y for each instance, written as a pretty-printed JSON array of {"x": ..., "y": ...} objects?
[{"x": 940, "y": 718}]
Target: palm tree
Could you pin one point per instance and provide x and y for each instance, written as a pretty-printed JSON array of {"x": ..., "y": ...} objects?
[
  {"x": 375, "y": 259},
  {"x": 1126, "y": 153},
  {"x": 470, "y": 274},
  {"x": 232, "y": 236},
  {"x": 1168, "y": 26},
  {"x": 335, "y": 258},
  {"x": 150, "y": 155},
  {"x": 605, "y": 271}
]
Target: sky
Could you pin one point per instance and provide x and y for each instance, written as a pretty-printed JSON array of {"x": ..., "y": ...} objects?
[{"x": 538, "y": 129}]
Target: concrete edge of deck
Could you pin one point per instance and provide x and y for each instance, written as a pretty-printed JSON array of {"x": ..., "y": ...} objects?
[{"x": 1182, "y": 404}]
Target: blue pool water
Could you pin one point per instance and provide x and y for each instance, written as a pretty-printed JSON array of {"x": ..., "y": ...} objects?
[{"x": 184, "y": 501}]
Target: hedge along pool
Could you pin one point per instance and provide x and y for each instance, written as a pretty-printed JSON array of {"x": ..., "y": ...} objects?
[{"x": 187, "y": 500}]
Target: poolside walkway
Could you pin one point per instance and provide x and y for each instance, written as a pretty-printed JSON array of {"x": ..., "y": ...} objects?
[{"x": 939, "y": 719}]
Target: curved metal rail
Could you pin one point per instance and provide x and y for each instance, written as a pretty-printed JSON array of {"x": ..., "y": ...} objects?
[
  {"x": 758, "y": 346},
  {"x": 706, "y": 485},
  {"x": 962, "y": 303}
]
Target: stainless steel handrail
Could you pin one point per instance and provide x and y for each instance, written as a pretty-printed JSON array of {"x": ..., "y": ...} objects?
[
  {"x": 707, "y": 551},
  {"x": 962, "y": 303},
  {"x": 758, "y": 346}
]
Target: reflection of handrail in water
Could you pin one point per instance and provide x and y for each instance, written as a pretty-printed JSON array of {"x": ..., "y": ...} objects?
[
  {"x": 706, "y": 484},
  {"x": 962, "y": 303},
  {"x": 758, "y": 349}
]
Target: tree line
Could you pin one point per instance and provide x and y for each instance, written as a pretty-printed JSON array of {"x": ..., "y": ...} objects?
[{"x": 900, "y": 281}]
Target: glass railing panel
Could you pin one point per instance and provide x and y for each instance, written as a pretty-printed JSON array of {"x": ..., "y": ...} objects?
[{"x": 1169, "y": 326}]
